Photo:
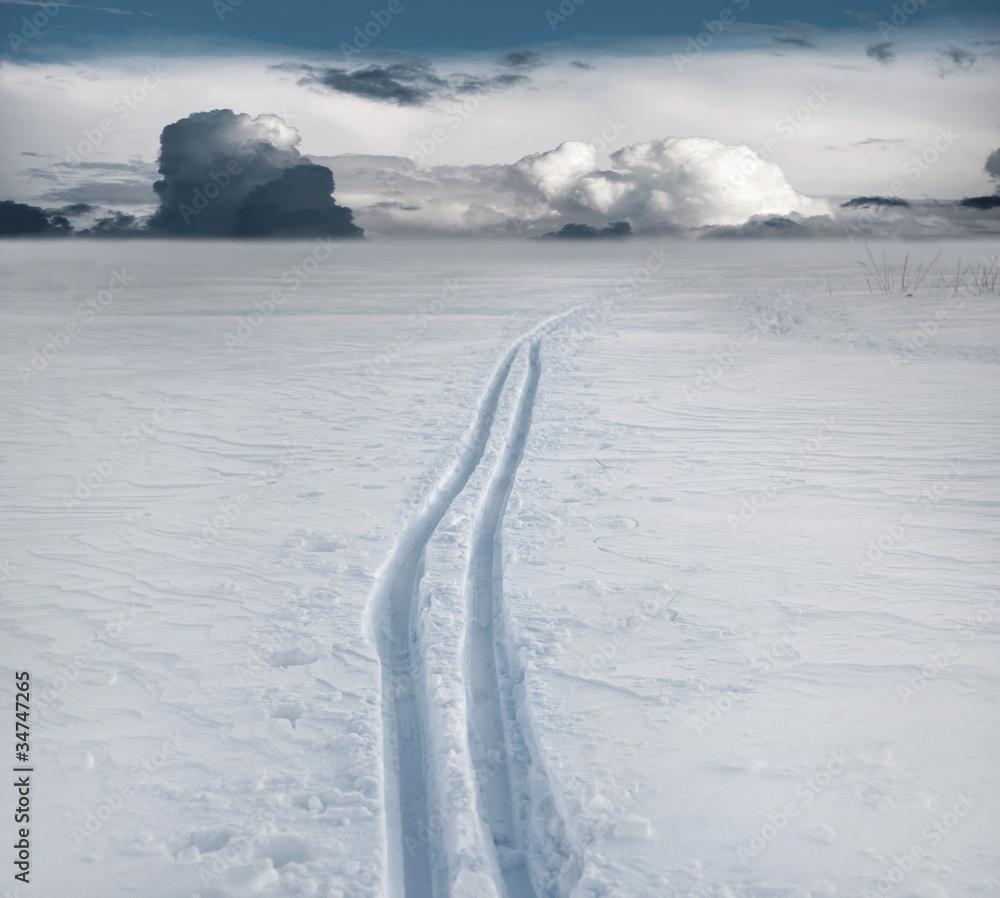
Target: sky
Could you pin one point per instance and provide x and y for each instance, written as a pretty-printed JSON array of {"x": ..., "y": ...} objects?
[{"x": 437, "y": 117}]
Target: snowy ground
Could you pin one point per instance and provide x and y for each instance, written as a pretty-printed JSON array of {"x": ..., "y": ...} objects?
[{"x": 466, "y": 570}]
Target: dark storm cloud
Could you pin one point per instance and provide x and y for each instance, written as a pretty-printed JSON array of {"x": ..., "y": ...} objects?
[
  {"x": 800, "y": 42},
  {"x": 992, "y": 166},
  {"x": 877, "y": 142},
  {"x": 874, "y": 201},
  {"x": 988, "y": 47},
  {"x": 296, "y": 204},
  {"x": 484, "y": 84},
  {"x": 224, "y": 174},
  {"x": 413, "y": 81},
  {"x": 521, "y": 59},
  {"x": 771, "y": 227},
  {"x": 22, "y": 220},
  {"x": 404, "y": 83},
  {"x": 883, "y": 52},
  {"x": 74, "y": 209},
  {"x": 983, "y": 203},
  {"x": 587, "y": 232},
  {"x": 955, "y": 59},
  {"x": 116, "y": 224}
]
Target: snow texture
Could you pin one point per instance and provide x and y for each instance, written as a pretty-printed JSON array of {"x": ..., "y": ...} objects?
[{"x": 513, "y": 571}]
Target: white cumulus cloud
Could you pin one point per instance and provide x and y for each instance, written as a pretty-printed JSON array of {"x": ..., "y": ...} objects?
[{"x": 674, "y": 184}]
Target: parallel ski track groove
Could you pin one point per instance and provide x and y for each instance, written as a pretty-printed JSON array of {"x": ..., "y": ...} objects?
[
  {"x": 401, "y": 674},
  {"x": 492, "y": 731},
  {"x": 391, "y": 629}
]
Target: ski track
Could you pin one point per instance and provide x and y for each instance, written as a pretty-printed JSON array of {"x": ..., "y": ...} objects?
[
  {"x": 497, "y": 744},
  {"x": 411, "y": 847}
]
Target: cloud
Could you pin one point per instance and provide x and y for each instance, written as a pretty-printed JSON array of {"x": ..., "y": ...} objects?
[
  {"x": 955, "y": 59},
  {"x": 864, "y": 17},
  {"x": 662, "y": 186},
  {"x": 521, "y": 59},
  {"x": 93, "y": 183},
  {"x": 874, "y": 201},
  {"x": 981, "y": 202},
  {"x": 992, "y": 167},
  {"x": 988, "y": 47},
  {"x": 226, "y": 174},
  {"x": 296, "y": 204},
  {"x": 881, "y": 142},
  {"x": 800, "y": 42},
  {"x": 48, "y": 4},
  {"x": 975, "y": 217},
  {"x": 116, "y": 224},
  {"x": 768, "y": 227},
  {"x": 405, "y": 84},
  {"x": 883, "y": 52},
  {"x": 20, "y": 220},
  {"x": 696, "y": 181},
  {"x": 74, "y": 210},
  {"x": 615, "y": 230},
  {"x": 579, "y": 64},
  {"x": 413, "y": 81}
]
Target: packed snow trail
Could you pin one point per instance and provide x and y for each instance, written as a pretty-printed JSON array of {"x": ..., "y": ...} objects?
[
  {"x": 494, "y": 748},
  {"x": 391, "y": 624},
  {"x": 403, "y": 724}
]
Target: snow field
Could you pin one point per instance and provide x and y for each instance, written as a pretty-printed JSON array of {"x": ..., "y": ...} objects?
[{"x": 746, "y": 618}]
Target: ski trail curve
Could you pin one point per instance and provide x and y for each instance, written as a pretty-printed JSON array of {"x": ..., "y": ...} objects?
[
  {"x": 411, "y": 844},
  {"x": 515, "y": 796},
  {"x": 492, "y": 746},
  {"x": 394, "y": 603}
]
